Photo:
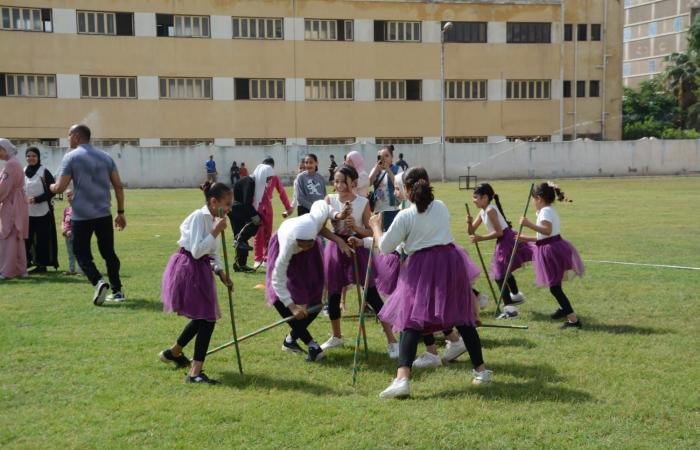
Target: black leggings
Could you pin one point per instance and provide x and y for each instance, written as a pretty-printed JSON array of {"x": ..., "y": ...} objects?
[
  {"x": 299, "y": 327},
  {"x": 408, "y": 345},
  {"x": 429, "y": 339},
  {"x": 564, "y": 303},
  {"x": 203, "y": 329},
  {"x": 512, "y": 287},
  {"x": 373, "y": 298}
]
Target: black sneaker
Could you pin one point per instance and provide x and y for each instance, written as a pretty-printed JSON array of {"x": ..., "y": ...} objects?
[
  {"x": 568, "y": 324},
  {"x": 38, "y": 269},
  {"x": 244, "y": 269},
  {"x": 180, "y": 361},
  {"x": 292, "y": 347},
  {"x": 558, "y": 314},
  {"x": 315, "y": 354},
  {"x": 200, "y": 379}
]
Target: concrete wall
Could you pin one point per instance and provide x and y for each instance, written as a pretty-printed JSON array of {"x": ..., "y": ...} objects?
[{"x": 161, "y": 167}]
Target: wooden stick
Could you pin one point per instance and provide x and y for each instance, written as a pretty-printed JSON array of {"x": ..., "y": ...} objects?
[
  {"x": 235, "y": 342},
  {"x": 230, "y": 295},
  {"x": 515, "y": 249},
  {"x": 483, "y": 266},
  {"x": 356, "y": 268}
]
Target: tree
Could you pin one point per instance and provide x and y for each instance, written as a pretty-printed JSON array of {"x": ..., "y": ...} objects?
[{"x": 680, "y": 77}]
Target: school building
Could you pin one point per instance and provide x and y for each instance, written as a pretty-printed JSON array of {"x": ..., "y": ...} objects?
[
  {"x": 310, "y": 72},
  {"x": 653, "y": 30}
]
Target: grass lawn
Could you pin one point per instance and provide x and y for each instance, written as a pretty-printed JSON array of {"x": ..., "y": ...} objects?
[{"x": 79, "y": 376}]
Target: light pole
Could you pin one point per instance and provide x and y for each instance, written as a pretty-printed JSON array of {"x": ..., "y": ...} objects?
[{"x": 445, "y": 28}]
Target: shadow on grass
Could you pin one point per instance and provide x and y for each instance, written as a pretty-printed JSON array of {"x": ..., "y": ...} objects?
[
  {"x": 508, "y": 342},
  {"x": 136, "y": 304},
  {"x": 343, "y": 358},
  {"x": 589, "y": 325},
  {"x": 49, "y": 277},
  {"x": 235, "y": 380}
]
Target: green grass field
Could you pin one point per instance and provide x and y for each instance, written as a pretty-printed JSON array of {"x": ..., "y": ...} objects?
[{"x": 78, "y": 376}]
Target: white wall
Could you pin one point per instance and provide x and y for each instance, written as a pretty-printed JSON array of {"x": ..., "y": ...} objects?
[{"x": 184, "y": 166}]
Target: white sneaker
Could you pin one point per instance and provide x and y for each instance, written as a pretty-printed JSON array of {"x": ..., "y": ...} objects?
[
  {"x": 333, "y": 342},
  {"x": 518, "y": 298},
  {"x": 483, "y": 301},
  {"x": 393, "y": 350},
  {"x": 397, "y": 389},
  {"x": 258, "y": 265},
  {"x": 483, "y": 377},
  {"x": 453, "y": 350},
  {"x": 509, "y": 312},
  {"x": 100, "y": 293},
  {"x": 117, "y": 297},
  {"x": 426, "y": 361}
]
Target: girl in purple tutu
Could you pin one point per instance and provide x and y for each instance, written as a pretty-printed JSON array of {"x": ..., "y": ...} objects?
[
  {"x": 295, "y": 275},
  {"x": 555, "y": 259},
  {"x": 188, "y": 283},
  {"x": 499, "y": 228},
  {"x": 349, "y": 214},
  {"x": 433, "y": 290}
]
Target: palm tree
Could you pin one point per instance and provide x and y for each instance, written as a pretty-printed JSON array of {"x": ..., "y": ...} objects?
[{"x": 680, "y": 76}]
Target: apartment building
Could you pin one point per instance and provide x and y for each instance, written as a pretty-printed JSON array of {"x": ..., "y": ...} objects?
[{"x": 310, "y": 72}]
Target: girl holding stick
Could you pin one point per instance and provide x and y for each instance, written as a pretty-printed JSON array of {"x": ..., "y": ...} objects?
[
  {"x": 188, "y": 284},
  {"x": 498, "y": 227},
  {"x": 555, "y": 259}
]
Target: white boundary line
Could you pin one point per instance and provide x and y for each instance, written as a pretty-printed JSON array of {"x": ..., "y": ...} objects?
[{"x": 664, "y": 266}]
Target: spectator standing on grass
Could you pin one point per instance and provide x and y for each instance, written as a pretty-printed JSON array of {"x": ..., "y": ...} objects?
[
  {"x": 244, "y": 170},
  {"x": 67, "y": 231},
  {"x": 92, "y": 171},
  {"x": 309, "y": 185},
  {"x": 210, "y": 165},
  {"x": 402, "y": 163},
  {"x": 14, "y": 215},
  {"x": 235, "y": 173},
  {"x": 331, "y": 169}
]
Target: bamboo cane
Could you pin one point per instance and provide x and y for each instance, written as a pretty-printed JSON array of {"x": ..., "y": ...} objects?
[
  {"x": 356, "y": 268},
  {"x": 483, "y": 266},
  {"x": 229, "y": 289}
]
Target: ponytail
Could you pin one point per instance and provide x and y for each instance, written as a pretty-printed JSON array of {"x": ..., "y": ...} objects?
[
  {"x": 486, "y": 189},
  {"x": 418, "y": 186},
  {"x": 550, "y": 192},
  {"x": 500, "y": 209}
]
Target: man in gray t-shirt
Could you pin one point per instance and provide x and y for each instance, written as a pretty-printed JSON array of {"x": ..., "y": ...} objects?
[{"x": 92, "y": 171}]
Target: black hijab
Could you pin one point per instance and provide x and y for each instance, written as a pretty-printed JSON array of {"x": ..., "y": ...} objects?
[{"x": 30, "y": 171}]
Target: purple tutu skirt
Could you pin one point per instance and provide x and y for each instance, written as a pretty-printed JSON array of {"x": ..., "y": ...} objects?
[
  {"x": 555, "y": 260},
  {"x": 304, "y": 274},
  {"x": 386, "y": 271},
  {"x": 188, "y": 287},
  {"x": 501, "y": 255},
  {"x": 433, "y": 291},
  {"x": 339, "y": 268}
]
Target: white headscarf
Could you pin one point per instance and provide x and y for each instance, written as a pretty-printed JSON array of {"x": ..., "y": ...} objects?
[
  {"x": 260, "y": 175},
  {"x": 7, "y": 145},
  {"x": 308, "y": 226}
]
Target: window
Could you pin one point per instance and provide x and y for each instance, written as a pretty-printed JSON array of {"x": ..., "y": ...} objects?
[
  {"x": 678, "y": 24},
  {"x": 185, "y": 88},
  {"x": 107, "y": 87},
  {"x": 176, "y": 142},
  {"x": 397, "y": 89},
  {"x": 466, "y": 139},
  {"x": 49, "y": 142},
  {"x": 466, "y": 32},
  {"x": 580, "y": 88},
  {"x": 100, "y": 22},
  {"x": 330, "y": 141},
  {"x": 652, "y": 29},
  {"x": 394, "y": 31},
  {"x": 267, "y": 89},
  {"x": 568, "y": 32},
  {"x": 398, "y": 140},
  {"x": 465, "y": 89},
  {"x": 328, "y": 90},
  {"x": 595, "y": 32},
  {"x": 260, "y": 141},
  {"x": 627, "y": 34},
  {"x": 594, "y": 88},
  {"x": 652, "y": 66},
  {"x": 29, "y": 85},
  {"x": 582, "y": 32},
  {"x": 328, "y": 30},
  {"x": 26, "y": 19},
  {"x": 529, "y": 138},
  {"x": 182, "y": 26},
  {"x": 259, "y": 88},
  {"x": 528, "y": 32},
  {"x": 567, "y": 89},
  {"x": 108, "y": 142},
  {"x": 626, "y": 69},
  {"x": 258, "y": 28},
  {"x": 527, "y": 89}
]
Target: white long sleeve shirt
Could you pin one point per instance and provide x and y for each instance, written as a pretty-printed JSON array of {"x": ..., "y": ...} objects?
[
  {"x": 196, "y": 237},
  {"x": 418, "y": 230}
]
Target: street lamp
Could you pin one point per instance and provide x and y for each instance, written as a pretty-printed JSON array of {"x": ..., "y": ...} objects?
[{"x": 445, "y": 28}]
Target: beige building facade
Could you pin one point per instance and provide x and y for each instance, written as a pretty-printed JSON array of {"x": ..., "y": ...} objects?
[
  {"x": 653, "y": 30},
  {"x": 258, "y": 72}
]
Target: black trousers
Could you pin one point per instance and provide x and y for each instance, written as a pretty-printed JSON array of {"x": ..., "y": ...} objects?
[
  {"x": 373, "y": 299},
  {"x": 562, "y": 299},
  {"x": 301, "y": 210},
  {"x": 299, "y": 327},
  {"x": 42, "y": 245},
  {"x": 408, "y": 345},
  {"x": 201, "y": 328},
  {"x": 82, "y": 235},
  {"x": 512, "y": 287},
  {"x": 242, "y": 226}
]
